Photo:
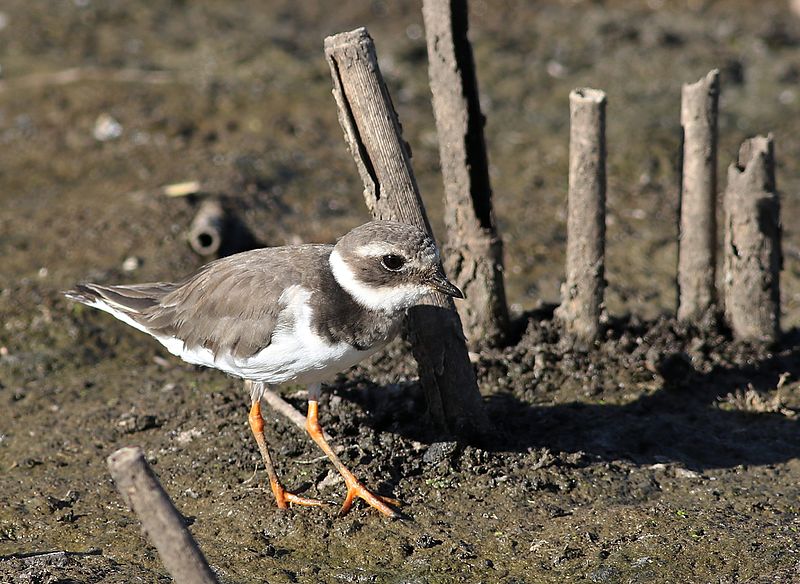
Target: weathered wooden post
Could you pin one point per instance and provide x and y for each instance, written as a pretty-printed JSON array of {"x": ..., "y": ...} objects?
[
  {"x": 582, "y": 293},
  {"x": 753, "y": 257},
  {"x": 372, "y": 132},
  {"x": 160, "y": 520},
  {"x": 474, "y": 250},
  {"x": 697, "y": 246}
]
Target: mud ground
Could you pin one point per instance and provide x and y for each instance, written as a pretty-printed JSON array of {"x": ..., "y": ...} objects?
[{"x": 666, "y": 454}]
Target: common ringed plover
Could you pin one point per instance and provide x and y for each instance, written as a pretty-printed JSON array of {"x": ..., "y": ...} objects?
[{"x": 295, "y": 314}]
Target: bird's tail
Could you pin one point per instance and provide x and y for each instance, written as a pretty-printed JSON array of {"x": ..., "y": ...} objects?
[{"x": 131, "y": 300}]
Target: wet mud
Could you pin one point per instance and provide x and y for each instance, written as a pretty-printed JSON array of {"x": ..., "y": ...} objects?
[{"x": 667, "y": 453}]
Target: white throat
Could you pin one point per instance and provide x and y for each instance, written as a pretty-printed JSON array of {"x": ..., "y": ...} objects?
[{"x": 385, "y": 298}]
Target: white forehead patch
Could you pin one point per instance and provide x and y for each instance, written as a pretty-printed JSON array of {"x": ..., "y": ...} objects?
[{"x": 384, "y": 298}]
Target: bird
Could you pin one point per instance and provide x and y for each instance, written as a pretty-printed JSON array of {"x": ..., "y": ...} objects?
[{"x": 289, "y": 315}]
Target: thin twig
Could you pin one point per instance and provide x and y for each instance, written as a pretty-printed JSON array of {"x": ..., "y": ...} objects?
[
  {"x": 76, "y": 74},
  {"x": 280, "y": 405},
  {"x": 283, "y": 407},
  {"x": 313, "y": 460},
  {"x": 252, "y": 478}
]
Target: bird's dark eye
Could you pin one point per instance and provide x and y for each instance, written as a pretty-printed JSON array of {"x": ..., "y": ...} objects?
[{"x": 393, "y": 262}]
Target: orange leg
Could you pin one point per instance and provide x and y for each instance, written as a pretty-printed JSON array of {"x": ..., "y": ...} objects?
[
  {"x": 282, "y": 496},
  {"x": 354, "y": 487}
]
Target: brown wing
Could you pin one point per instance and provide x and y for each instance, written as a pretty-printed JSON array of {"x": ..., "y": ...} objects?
[{"x": 230, "y": 305}]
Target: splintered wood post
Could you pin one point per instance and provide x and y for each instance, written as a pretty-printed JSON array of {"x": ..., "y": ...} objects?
[
  {"x": 697, "y": 247},
  {"x": 753, "y": 257},
  {"x": 474, "y": 250},
  {"x": 373, "y": 135},
  {"x": 161, "y": 522},
  {"x": 582, "y": 293}
]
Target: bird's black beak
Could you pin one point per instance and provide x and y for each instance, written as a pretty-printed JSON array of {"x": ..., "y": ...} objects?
[{"x": 440, "y": 282}]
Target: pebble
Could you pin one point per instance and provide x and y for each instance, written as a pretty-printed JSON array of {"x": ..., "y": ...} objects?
[
  {"x": 131, "y": 264},
  {"x": 685, "y": 473},
  {"x": 106, "y": 128},
  {"x": 439, "y": 451}
]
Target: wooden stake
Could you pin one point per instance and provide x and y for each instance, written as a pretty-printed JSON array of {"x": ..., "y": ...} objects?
[
  {"x": 582, "y": 294},
  {"x": 372, "y": 132},
  {"x": 698, "y": 232},
  {"x": 160, "y": 520},
  {"x": 753, "y": 257},
  {"x": 474, "y": 250}
]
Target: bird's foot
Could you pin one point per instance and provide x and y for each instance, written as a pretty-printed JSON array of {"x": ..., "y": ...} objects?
[
  {"x": 284, "y": 497},
  {"x": 356, "y": 489}
]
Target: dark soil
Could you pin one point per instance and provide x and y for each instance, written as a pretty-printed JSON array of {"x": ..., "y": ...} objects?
[{"x": 665, "y": 454}]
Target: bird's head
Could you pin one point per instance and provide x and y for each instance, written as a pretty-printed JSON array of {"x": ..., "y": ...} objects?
[{"x": 389, "y": 266}]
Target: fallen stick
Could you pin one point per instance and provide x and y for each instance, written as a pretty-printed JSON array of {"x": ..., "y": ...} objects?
[
  {"x": 182, "y": 189},
  {"x": 34, "y": 557},
  {"x": 280, "y": 405},
  {"x": 76, "y": 74},
  {"x": 284, "y": 408},
  {"x": 160, "y": 520}
]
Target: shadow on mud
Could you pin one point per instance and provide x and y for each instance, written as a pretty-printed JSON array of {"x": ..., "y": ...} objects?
[
  {"x": 689, "y": 420},
  {"x": 683, "y": 425}
]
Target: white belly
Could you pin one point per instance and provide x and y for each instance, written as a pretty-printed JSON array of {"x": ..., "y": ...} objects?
[{"x": 286, "y": 359}]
